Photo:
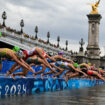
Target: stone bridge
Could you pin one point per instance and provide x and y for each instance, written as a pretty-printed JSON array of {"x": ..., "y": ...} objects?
[{"x": 13, "y": 39}]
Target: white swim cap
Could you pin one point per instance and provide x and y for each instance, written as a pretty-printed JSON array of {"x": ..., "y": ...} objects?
[{"x": 19, "y": 53}]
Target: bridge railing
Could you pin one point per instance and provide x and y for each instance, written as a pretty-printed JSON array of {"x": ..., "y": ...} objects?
[{"x": 21, "y": 40}]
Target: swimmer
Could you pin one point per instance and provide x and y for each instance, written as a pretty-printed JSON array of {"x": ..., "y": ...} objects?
[
  {"x": 31, "y": 53},
  {"x": 74, "y": 71},
  {"x": 57, "y": 71},
  {"x": 39, "y": 52},
  {"x": 85, "y": 68},
  {"x": 60, "y": 57},
  {"x": 34, "y": 60},
  {"x": 3, "y": 54},
  {"x": 15, "y": 56}
]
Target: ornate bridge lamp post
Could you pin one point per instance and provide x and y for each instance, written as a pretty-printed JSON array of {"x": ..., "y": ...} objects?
[
  {"x": 58, "y": 40},
  {"x": 22, "y": 25},
  {"x": 66, "y": 44},
  {"x": 4, "y": 18},
  {"x": 36, "y": 31},
  {"x": 48, "y": 36},
  {"x": 81, "y": 43}
]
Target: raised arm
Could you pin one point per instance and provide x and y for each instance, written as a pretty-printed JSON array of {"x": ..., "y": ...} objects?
[{"x": 65, "y": 59}]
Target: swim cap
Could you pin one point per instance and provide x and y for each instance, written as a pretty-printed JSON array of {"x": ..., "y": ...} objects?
[
  {"x": 19, "y": 53},
  {"x": 60, "y": 53},
  {"x": 0, "y": 34},
  {"x": 99, "y": 68},
  {"x": 75, "y": 65},
  {"x": 16, "y": 48},
  {"x": 89, "y": 64}
]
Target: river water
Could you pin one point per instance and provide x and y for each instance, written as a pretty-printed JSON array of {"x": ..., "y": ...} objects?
[{"x": 83, "y": 96}]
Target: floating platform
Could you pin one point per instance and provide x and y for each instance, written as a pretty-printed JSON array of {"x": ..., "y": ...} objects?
[{"x": 30, "y": 85}]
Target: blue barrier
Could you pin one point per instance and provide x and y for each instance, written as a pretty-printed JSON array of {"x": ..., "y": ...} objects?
[
  {"x": 8, "y": 64},
  {"x": 8, "y": 86},
  {"x": 30, "y": 85}
]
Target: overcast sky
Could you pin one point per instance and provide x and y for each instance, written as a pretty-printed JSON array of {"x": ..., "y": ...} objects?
[{"x": 66, "y": 18}]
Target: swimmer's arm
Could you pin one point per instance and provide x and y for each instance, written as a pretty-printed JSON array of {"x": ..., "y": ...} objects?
[
  {"x": 13, "y": 67},
  {"x": 19, "y": 62},
  {"x": 67, "y": 60},
  {"x": 53, "y": 59},
  {"x": 18, "y": 67},
  {"x": 33, "y": 64},
  {"x": 29, "y": 67},
  {"x": 76, "y": 69},
  {"x": 103, "y": 71},
  {"x": 66, "y": 73},
  {"x": 56, "y": 57},
  {"x": 99, "y": 70},
  {"x": 87, "y": 67}
]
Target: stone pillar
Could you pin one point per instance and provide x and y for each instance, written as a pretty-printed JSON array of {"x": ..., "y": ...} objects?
[
  {"x": 81, "y": 56},
  {"x": 93, "y": 50}
]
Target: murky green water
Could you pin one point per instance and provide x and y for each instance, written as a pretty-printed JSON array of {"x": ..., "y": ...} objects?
[{"x": 83, "y": 96}]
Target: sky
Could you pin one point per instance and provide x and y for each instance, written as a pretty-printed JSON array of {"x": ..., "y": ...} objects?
[{"x": 64, "y": 18}]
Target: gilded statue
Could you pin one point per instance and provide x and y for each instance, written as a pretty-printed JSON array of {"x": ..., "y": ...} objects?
[{"x": 94, "y": 7}]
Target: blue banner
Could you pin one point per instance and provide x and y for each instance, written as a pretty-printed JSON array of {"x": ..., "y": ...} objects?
[{"x": 8, "y": 86}]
